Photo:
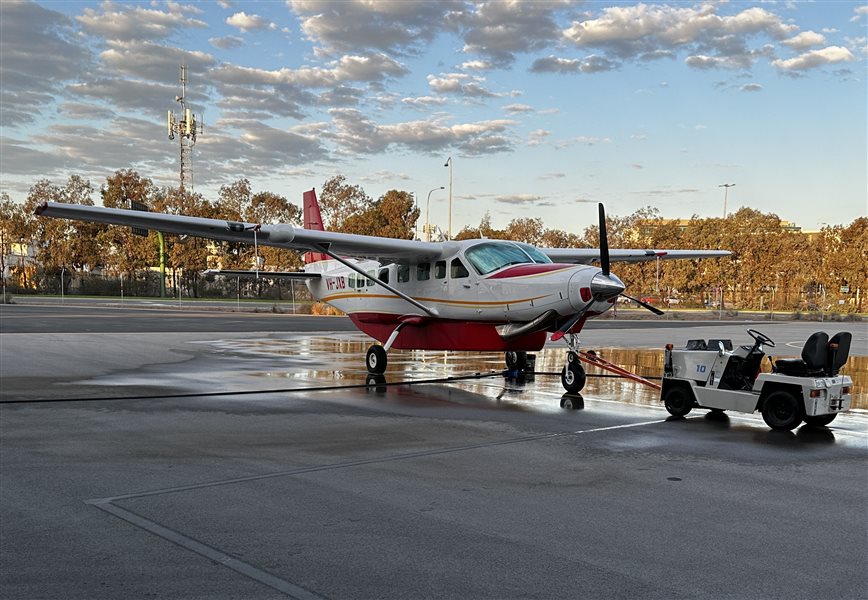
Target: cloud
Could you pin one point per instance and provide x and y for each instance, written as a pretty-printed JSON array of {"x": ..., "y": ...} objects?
[
  {"x": 858, "y": 13},
  {"x": 423, "y": 102},
  {"x": 805, "y": 40},
  {"x": 515, "y": 109},
  {"x": 371, "y": 68},
  {"x": 129, "y": 22},
  {"x": 356, "y": 25},
  {"x": 585, "y": 140},
  {"x": 751, "y": 87},
  {"x": 226, "y": 42},
  {"x": 499, "y": 30},
  {"x": 357, "y": 134},
  {"x": 537, "y": 137},
  {"x": 461, "y": 84},
  {"x": 40, "y": 53},
  {"x": 814, "y": 59},
  {"x": 646, "y": 31},
  {"x": 156, "y": 62},
  {"x": 590, "y": 64},
  {"x": 247, "y": 23},
  {"x": 519, "y": 199}
]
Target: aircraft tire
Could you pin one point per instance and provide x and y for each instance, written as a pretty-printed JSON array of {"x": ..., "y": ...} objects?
[
  {"x": 782, "y": 411},
  {"x": 376, "y": 359},
  {"x": 573, "y": 377},
  {"x": 820, "y": 420},
  {"x": 516, "y": 361}
]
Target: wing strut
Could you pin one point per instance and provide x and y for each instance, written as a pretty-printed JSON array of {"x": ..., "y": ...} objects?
[{"x": 428, "y": 310}]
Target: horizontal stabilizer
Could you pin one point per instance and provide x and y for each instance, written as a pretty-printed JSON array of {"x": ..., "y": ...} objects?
[{"x": 261, "y": 274}]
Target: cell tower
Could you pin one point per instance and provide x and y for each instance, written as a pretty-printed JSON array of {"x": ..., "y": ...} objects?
[{"x": 186, "y": 127}]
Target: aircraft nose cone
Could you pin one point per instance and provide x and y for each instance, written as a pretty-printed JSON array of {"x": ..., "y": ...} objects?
[{"x": 603, "y": 287}]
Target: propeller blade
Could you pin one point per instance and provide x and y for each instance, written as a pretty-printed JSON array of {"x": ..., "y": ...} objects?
[
  {"x": 653, "y": 309},
  {"x": 604, "y": 242}
]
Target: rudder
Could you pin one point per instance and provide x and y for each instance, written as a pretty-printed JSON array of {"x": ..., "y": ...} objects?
[{"x": 313, "y": 221}]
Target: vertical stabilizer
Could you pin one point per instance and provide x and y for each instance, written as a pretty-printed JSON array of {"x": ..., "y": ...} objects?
[{"x": 312, "y": 220}]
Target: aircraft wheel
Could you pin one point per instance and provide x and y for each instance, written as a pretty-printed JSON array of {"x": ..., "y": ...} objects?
[
  {"x": 782, "y": 411},
  {"x": 573, "y": 377},
  {"x": 820, "y": 420},
  {"x": 677, "y": 401},
  {"x": 376, "y": 359},
  {"x": 516, "y": 361}
]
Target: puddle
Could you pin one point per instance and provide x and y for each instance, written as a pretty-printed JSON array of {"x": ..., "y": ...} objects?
[{"x": 340, "y": 360}]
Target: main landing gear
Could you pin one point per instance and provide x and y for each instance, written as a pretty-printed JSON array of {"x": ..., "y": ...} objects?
[{"x": 376, "y": 359}]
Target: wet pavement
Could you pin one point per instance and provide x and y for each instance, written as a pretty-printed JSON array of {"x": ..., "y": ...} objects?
[{"x": 242, "y": 464}]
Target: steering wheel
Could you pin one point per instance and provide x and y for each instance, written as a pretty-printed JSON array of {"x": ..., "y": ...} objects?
[{"x": 760, "y": 339}]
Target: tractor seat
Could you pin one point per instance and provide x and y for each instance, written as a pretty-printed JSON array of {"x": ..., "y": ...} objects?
[
  {"x": 814, "y": 360},
  {"x": 839, "y": 351}
]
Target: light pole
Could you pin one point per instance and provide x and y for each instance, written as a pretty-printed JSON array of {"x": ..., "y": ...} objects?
[
  {"x": 428, "y": 212},
  {"x": 725, "y": 187},
  {"x": 449, "y": 164}
]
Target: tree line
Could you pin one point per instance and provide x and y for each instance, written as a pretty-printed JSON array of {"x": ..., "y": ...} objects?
[{"x": 771, "y": 268}]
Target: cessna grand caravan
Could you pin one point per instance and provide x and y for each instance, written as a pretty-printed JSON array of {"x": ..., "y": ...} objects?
[{"x": 485, "y": 295}]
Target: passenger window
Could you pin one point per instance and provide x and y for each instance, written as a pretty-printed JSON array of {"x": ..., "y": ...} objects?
[
  {"x": 403, "y": 273},
  {"x": 384, "y": 275},
  {"x": 440, "y": 269},
  {"x": 352, "y": 280},
  {"x": 370, "y": 280},
  {"x": 458, "y": 270},
  {"x": 423, "y": 272}
]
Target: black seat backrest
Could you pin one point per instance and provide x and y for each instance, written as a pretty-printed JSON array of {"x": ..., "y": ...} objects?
[
  {"x": 714, "y": 344},
  {"x": 815, "y": 354},
  {"x": 696, "y": 345},
  {"x": 839, "y": 351}
]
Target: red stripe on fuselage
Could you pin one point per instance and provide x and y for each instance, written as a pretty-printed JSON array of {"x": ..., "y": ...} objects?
[
  {"x": 529, "y": 269},
  {"x": 443, "y": 334}
]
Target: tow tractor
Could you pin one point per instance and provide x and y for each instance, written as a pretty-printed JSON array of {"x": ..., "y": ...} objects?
[{"x": 714, "y": 375}]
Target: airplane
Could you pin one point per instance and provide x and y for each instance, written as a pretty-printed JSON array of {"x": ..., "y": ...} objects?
[{"x": 472, "y": 295}]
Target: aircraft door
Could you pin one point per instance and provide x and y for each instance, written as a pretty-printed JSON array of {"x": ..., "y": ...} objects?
[{"x": 462, "y": 287}]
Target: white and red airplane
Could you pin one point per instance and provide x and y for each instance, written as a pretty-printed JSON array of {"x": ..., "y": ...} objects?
[{"x": 486, "y": 295}]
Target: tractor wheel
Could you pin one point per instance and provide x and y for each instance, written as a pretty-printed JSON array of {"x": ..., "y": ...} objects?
[
  {"x": 782, "y": 411},
  {"x": 678, "y": 401}
]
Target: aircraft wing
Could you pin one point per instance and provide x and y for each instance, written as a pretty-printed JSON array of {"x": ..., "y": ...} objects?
[
  {"x": 590, "y": 255},
  {"x": 261, "y": 274},
  {"x": 280, "y": 236}
]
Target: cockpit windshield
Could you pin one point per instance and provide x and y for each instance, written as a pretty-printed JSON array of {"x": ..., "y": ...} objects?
[{"x": 491, "y": 256}]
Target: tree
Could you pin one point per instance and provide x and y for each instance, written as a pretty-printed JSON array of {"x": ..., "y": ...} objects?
[
  {"x": 15, "y": 227},
  {"x": 63, "y": 245},
  {"x": 340, "y": 201},
  {"x": 393, "y": 215},
  {"x": 187, "y": 255},
  {"x": 124, "y": 251}
]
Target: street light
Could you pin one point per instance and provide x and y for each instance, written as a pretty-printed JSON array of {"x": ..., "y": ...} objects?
[
  {"x": 428, "y": 211},
  {"x": 449, "y": 164},
  {"x": 726, "y": 187}
]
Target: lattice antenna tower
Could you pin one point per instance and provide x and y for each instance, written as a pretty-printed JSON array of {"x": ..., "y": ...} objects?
[{"x": 186, "y": 127}]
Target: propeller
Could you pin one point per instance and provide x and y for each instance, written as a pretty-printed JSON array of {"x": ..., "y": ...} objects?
[
  {"x": 604, "y": 242},
  {"x": 653, "y": 309},
  {"x": 603, "y": 285}
]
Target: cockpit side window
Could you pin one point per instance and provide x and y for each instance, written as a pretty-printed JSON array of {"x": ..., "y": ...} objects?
[
  {"x": 440, "y": 269},
  {"x": 458, "y": 270},
  {"x": 384, "y": 275}
]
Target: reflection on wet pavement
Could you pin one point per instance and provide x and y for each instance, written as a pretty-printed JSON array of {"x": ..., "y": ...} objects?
[{"x": 339, "y": 360}]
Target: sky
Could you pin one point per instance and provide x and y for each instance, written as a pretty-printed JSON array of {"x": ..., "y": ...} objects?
[{"x": 545, "y": 108}]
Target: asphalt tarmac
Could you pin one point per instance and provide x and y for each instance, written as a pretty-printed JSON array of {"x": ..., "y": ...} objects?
[{"x": 150, "y": 454}]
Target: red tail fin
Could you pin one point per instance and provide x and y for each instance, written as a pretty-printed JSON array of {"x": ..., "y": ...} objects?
[{"x": 312, "y": 220}]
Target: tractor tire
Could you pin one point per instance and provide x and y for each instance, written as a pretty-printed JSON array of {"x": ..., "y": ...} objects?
[{"x": 782, "y": 411}]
